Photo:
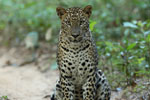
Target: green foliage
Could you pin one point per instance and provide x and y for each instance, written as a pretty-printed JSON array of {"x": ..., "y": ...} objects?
[
  {"x": 92, "y": 24},
  {"x": 131, "y": 54},
  {"x": 4, "y": 98},
  {"x": 18, "y": 17}
]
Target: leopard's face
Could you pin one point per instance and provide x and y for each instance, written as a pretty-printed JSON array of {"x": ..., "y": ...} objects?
[{"x": 74, "y": 23}]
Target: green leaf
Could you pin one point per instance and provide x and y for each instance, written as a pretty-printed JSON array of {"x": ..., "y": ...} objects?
[
  {"x": 109, "y": 44},
  {"x": 148, "y": 38},
  {"x": 147, "y": 32},
  {"x": 140, "y": 60},
  {"x": 141, "y": 24},
  {"x": 4, "y": 98},
  {"x": 131, "y": 46},
  {"x": 128, "y": 24},
  {"x": 92, "y": 24}
]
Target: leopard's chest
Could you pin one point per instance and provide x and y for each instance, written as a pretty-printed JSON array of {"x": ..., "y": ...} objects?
[{"x": 77, "y": 64}]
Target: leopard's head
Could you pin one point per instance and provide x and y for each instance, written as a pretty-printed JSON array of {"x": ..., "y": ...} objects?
[{"x": 74, "y": 23}]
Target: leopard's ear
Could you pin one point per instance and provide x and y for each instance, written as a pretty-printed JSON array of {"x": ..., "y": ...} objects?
[
  {"x": 60, "y": 12},
  {"x": 88, "y": 10}
]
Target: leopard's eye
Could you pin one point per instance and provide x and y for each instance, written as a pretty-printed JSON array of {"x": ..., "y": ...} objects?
[{"x": 67, "y": 22}]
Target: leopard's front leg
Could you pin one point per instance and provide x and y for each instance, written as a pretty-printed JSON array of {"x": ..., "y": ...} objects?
[
  {"x": 89, "y": 88},
  {"x": 67, "y": 88},
  {"x": 65, "y": 75}
]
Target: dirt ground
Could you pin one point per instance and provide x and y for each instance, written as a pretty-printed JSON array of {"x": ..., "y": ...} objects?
[{"x": 25, "y": 81}]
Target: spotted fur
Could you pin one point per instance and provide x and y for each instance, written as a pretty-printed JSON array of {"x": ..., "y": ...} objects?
[{"x": 77, "y": 59}]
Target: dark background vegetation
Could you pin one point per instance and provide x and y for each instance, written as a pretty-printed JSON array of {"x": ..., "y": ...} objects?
[{"x": 121, "y": 29}]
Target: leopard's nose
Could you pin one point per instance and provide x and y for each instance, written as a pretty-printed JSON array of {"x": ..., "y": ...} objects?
[{"x": 75, "y": 35}]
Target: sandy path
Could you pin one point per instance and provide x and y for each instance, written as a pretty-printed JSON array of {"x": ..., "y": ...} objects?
[
  {"x": 26, "y": 83},
  {"x": 23, "y": 82}
]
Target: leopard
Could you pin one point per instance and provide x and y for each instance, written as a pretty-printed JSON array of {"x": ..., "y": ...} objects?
[{"x": 77, "y": 59}]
